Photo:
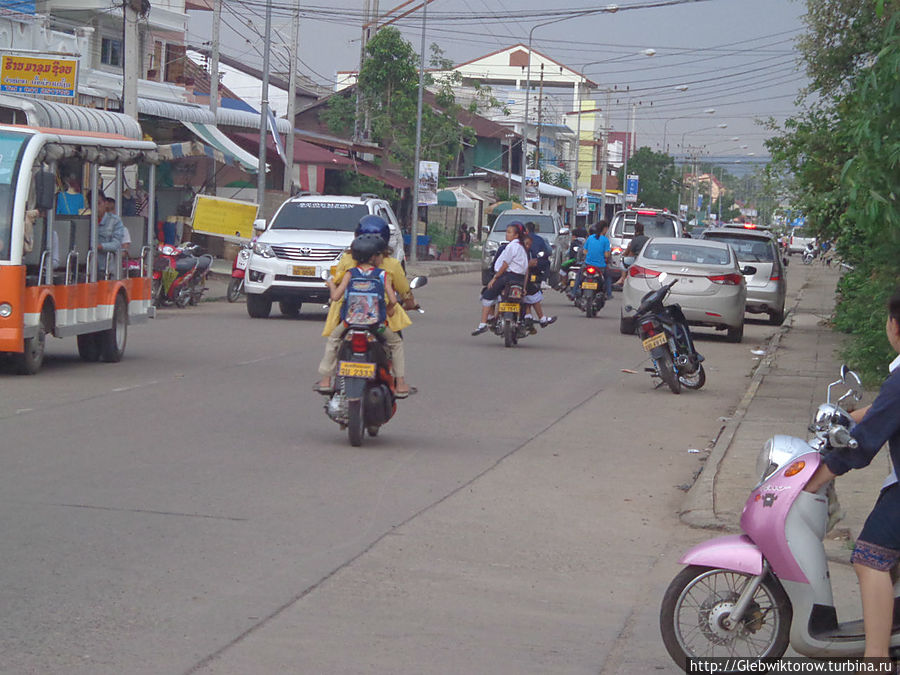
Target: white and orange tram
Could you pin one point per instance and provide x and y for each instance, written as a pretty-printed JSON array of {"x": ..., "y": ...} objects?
[{"x": 53, "y": 279}]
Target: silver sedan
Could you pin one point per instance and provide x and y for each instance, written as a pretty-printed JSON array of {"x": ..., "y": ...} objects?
[{"x": 711, "y": 288}]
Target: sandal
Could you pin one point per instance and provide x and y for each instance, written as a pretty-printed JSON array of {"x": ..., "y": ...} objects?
[
  {"x": 407, "y": 393},
  {"x": 325, "y": 391}
]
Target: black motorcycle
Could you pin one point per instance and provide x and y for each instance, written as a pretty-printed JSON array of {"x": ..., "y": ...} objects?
[
  {"x": 511, "y": 321},
  {"x": 592, "y": 296},
  {"x": 665, "y": 334},
  {"x": 364, "y": 398}
]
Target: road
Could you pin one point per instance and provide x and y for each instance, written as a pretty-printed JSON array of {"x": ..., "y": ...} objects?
[{"x": 192, "y": 510}]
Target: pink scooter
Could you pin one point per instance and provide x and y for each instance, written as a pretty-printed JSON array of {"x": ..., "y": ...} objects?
[{"x": 752, "y": 595}]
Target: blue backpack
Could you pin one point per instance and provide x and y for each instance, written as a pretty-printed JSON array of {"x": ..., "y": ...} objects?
[{"x": 364, "y": 303}]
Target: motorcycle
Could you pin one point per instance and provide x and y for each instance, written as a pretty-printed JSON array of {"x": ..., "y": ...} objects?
[
  {"x": 568, "y": 270},
  {"x": 512, "y": 322},
  {"x": 364, "y": 399},
  {"x": 665, "y": 334},
  {"x": 238, "y": 271},
  {"x": 179, "y": 275},
  {"x": 593, "y": 291},
  {"x": 752, "y": 595},
  {"x": 809, "y": 254}
]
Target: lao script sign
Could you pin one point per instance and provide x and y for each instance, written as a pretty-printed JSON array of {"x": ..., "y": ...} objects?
[{"x": 39, "y": 76}]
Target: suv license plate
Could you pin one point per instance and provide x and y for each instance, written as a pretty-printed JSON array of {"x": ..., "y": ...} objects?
[
  {"x": 509, "y": 307},
  {"x": 304, "y": 271},
  {"x": 655, "y": 341},
  {"x": 353, "y": 369}
]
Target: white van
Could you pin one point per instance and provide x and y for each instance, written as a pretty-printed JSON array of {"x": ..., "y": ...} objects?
[{"x": 656, "y": 222}]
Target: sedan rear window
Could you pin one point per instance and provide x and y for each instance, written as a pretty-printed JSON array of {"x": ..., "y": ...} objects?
[
  {"x": 747, "y": 249},
  {"x": 319, "y": 216},
  {"x": 687, "y": 253},
  {"x": 543, "y": 224}
]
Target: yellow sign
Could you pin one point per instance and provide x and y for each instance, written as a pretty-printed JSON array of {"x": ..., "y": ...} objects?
[
  {"x": 223, "y": 217},
  {"x": 39, "y": 76}
]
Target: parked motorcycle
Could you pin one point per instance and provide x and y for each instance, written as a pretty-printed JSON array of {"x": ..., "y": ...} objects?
[
  {"x": 665, "y": 333},
  {"x": 179, "y": 274},
  {"x": 593, "y": 291},
  {"x": 752, "y": 595},
  {"x": 238, "y": 271},
  {"x": 364, "y": 398}
]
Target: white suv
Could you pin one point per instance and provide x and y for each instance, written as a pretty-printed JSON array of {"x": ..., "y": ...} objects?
[{"x": 307, "y": 236}]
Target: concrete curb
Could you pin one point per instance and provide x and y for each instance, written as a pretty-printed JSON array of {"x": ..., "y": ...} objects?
[{"x": 699, "y": 508}]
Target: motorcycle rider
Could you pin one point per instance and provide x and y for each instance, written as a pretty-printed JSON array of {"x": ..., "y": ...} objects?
[
  {"x": 376, "y": 225},
  {"x": 511, "y": 265},
  {"x": 877, "y": 548},
  {"x": 538, "y": 266},
  {"x": 596, "y": 254}
]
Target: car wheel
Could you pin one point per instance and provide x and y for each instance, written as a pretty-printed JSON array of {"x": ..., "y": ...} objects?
[
  {"x": 112, "y": 340},
  {"x": 290, "y": 307},
  {"x": 32, "y": 358},
  {"x": 776, "y": 318},
  {"x": 258, "y": 306},
  {"x": 736, "y": 333}
]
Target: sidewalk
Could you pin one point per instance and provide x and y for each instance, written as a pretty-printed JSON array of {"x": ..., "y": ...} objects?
[{"x": 785, "y": 390}]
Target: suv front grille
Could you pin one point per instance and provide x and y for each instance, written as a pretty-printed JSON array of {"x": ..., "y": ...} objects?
[{"x": 307, "y": 253}]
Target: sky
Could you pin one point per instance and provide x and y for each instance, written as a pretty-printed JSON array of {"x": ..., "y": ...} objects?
[{"x": 735, "y": 57}]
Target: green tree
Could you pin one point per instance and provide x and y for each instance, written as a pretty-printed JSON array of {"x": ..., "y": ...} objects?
[
  {"x": 842, "y": 159},
  {"x": 658, "y": 184}
]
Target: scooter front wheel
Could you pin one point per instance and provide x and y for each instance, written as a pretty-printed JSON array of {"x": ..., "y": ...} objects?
[
  {"x": 235, "y": 286},
  {"x": 695, "y": 380},
  {"x": 694, "y": 615},
  {"x": 356, "y": 419}
]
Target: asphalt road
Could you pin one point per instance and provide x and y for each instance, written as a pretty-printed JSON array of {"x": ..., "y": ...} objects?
[{"x": 192, "y": 509}]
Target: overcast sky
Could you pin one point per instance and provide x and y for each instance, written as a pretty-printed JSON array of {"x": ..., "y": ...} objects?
[{"x": 734, "y": 56}]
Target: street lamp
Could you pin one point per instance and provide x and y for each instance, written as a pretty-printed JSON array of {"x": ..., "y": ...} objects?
[
  {"x": 609, "y": 9},
  {"x": 708, "y": 111}
]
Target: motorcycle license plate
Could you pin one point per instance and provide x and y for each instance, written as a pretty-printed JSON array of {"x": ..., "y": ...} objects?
[
  {"x": 509, "y": 306},
  {"x": 571, "y": 282},
  {"x": 304, "y": 271},
  {"x": 353, "y": 369},
  {"x": 655, "y": 341},
  {"x": 240, "y": 263},
  {"x": 590, "y": 285}
]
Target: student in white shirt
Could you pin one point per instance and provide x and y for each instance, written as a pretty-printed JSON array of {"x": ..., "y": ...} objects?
[{"x": 511, "y": 265}]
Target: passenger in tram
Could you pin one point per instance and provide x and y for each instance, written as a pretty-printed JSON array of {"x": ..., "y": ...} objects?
[
  {"x": 70, "y": 202},
  {"x": 110, "y": 230}
]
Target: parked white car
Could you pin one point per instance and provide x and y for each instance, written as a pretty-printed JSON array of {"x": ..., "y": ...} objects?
[
  {"x": 307, "y": 236},
  {"x": 711, "y": 288}
]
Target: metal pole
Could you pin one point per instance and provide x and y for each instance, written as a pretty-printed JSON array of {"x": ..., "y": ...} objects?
[
  {"x": 577, "y": 158},
  {"x": 214, "y": 59},
  {"x": 264, "y": 115},
  {"x": 132, "y": 65},
  {"x": 625, "y": 147},
  {"x": 604, "y": 153},
  {"x": 525, "y": 121},
  {"x": 414, "y": 234},
  {"x": 292, "y": 102}
]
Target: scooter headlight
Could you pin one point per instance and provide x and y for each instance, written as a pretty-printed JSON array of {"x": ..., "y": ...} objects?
[
  {"x": 264, "y": 250},
  {"x": 765, "y": 463}
]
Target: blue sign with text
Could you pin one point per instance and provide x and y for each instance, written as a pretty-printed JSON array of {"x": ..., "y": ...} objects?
[{"x": 631, "y": 188}]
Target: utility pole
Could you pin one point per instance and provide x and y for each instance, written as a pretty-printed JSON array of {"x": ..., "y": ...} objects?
[
  {"x": 214, "y": 59},
  {"x": 132, "y": 63},
  {"x": 414, "y": 227},
  {"x": 537, "y": 150},
  {"x": 603, "y": 154},
  {"x": 292, "y": 101},
  {"x": 264, "y": 114}
]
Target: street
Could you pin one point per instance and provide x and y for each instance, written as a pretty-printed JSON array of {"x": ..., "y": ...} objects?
[{"x": 192, "y": 509}]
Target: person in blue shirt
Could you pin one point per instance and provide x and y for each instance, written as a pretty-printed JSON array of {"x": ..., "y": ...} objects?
[
  {"x": 596, "y": 253},
  {"x": 877, "y": 548}
]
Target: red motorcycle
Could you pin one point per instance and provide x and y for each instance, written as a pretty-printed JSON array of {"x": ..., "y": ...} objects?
[
  {"x": 179, "y": 274},
  {"x": 238, "y": 271}
]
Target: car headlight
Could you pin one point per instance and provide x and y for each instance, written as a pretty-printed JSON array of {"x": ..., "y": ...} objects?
[
  {"x": 491, "y": 246},
  {"x": 264, "y": 250}
]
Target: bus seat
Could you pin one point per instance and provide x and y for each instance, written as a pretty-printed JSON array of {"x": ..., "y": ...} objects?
[
  {"x": 33, "y": 257},
  {"x": 137, "y": 228}
]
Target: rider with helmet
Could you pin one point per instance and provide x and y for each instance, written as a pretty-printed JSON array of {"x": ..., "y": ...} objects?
[{"x": 376, "y": 225}]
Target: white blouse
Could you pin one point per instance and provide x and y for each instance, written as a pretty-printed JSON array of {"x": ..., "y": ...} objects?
[{"x": 514, "y": 254}]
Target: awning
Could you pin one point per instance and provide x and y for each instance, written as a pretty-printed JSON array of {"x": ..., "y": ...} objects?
[
  {"x": 54, "y": 115},
  {"x": 544, "y": 188},
  {"x": 389, "y": 178},
  {"x": 211, "y": 136},
  {"x": 304, "y": 153},
  {"x": 456, "y": 197},
  {"x": 198, "y": 149},
  {"x": 183, "y": 112}
]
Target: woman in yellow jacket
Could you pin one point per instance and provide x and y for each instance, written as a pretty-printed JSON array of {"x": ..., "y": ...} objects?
[{"x": 400, "y": 319}]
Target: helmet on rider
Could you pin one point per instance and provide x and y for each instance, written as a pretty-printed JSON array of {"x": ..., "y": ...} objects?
[
  {"x": 372, "y": 224},
  {"x": 365, "y": 247}
]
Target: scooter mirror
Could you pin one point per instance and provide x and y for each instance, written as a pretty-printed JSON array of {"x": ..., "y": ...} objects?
[
  {"x": 851, "y": 379},
  {"x": 418, "y": 282}
]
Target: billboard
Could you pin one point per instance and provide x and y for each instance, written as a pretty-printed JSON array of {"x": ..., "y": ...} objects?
[
  {"x": 223, "y": 217},
  {"x": 428, "y": 183},
  {"x": 37, "y": 76},
  {"x": 582, "y": 208},
  {"x": 532, "y": 185}
]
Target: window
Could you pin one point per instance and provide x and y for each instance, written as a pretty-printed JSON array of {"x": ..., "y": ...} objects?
[
  {"x": 544, "y": 224},
  {"x": 111, "y": 52},
  {"x": 329, "y": 216},
  {"x": 686, "y": 253},
  {"x": 748, "y": 249}
]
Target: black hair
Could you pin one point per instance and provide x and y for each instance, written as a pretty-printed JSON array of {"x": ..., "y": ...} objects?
[
  {"x": 639, "y": 228},
  {"x": 530, "y": 227},
  {"x": 520, "y": 231},
  {"x": 894, "y": 306}
]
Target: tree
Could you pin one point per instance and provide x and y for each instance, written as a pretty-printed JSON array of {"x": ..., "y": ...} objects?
[
  {"x": 842, "y": 157},
  {"x": 658, "y": 185}
]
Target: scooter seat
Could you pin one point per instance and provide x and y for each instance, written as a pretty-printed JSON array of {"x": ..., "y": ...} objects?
[{"x": 185, "y": 263}]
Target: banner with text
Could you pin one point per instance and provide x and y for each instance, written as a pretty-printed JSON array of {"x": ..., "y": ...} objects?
[
  {"x": 38, "y": 76},
  {"x": 428, "y": 183},
  {"x": 532, "y": 185}
]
